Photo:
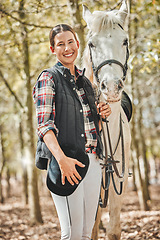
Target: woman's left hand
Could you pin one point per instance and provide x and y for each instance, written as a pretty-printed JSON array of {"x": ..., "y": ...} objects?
[{"x": 103, "y": 109}]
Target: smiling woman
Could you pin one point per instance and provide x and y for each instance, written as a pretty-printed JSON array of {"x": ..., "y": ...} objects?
[
  {"x": 66, "y": 49},
  {"x": 68, "y": 130}
]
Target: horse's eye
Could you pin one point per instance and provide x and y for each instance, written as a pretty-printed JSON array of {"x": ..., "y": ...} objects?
[
  {"x": 90, "y": 44},
  {"x": 125, "y": 42}
]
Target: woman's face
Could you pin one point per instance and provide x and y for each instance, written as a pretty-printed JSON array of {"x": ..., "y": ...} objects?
[{"x": 65, "y": 48}]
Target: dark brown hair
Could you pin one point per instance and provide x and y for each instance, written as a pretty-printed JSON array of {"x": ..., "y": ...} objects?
[{"x": 60, "y": 28}]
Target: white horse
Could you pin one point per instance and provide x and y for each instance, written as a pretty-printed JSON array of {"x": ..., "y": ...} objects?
[{"x": 105, "y": 60}]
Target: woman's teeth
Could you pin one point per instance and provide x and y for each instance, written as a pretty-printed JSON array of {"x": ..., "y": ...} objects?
[{"x": 68, "y": 55}]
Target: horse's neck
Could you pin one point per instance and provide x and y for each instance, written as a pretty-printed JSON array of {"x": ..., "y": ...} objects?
[
  {"x": 113, "y": 124},
  {"x": 114, "y": 117}
]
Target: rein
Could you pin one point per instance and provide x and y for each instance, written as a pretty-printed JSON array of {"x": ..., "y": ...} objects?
[
  {"x": 113, "y": 101},
  {"x": 110, "y": 164}
]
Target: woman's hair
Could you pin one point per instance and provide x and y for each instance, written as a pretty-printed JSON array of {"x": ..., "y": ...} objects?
[{"x": 58, "y": 29}]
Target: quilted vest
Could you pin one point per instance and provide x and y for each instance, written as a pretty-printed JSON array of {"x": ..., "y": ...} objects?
[{"x": 69, "y": 113}]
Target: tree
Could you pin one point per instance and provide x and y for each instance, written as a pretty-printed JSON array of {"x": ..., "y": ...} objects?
[
  {"x": 35, "y": 212},
  {"x": 140, "y": 40},
  {"x": 77, "y": 23}
]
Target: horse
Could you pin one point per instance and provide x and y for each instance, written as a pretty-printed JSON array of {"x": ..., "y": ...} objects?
[{"x": 105, "y": 59}]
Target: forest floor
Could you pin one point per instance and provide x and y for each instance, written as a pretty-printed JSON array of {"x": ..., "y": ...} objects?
[{"x": 136, "y": 224}]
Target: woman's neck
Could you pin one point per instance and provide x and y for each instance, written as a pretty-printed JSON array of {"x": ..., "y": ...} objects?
[
  {"x": 70, "y": 67},
  {"x": 72, "y": 70}
]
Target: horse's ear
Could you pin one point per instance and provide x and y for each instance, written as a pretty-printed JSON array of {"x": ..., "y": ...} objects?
[
  {"x": 87, "y": 15},
  {"x": 123, "y": 11}
]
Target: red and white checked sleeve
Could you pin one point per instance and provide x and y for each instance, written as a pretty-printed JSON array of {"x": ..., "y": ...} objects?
[{"x": 44, "y": 99}]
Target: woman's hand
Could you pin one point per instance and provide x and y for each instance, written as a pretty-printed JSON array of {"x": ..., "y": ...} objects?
[
  {"x": 103, "y": 109},
  {"x": 69, "y": 171},
  {"x": 67, "y": 165}
]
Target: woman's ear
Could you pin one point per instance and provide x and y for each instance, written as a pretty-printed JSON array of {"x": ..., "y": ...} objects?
[
  {"x": 52, "y": 49},
  {"x": 78, "y": 44}
]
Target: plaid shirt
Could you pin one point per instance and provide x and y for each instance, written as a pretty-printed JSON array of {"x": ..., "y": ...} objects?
[{"x": 44, "y": 99}]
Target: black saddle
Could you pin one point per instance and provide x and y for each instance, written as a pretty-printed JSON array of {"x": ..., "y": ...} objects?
[{"x": 126, "y": 105}]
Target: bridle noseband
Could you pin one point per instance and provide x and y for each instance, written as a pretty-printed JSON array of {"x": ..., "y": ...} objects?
[{"x": 109, "y": 62}]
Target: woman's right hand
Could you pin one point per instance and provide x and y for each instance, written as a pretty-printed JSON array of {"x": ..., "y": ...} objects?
[
  {"x": 68, "y": 169},
  {"x": 67, "y": 165}
]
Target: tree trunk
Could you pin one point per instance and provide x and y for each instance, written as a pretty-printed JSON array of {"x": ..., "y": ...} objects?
[
  {"x": 144, "y": 151},
  {"x": 8, "y": 183},
  {"x": 77, "y": 24},
  {"x": 135, "y": 137},
  {"x": 156, "y": 162},
  {"x": 2, "y": 162},
  {"x": 138, "y": 178},
  {"x": 1, "y": 189},
  {"x": 34, "y": 205},
  {"x": 24, "y": 165},
  {"x": 133, "y": 173}
]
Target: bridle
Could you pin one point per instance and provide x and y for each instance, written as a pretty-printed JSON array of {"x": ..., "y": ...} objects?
[
  {"x": 110, "y": 162},
  {"x": 110, "y": 61}
]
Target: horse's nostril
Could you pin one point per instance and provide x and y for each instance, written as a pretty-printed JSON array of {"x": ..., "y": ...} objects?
[
  {"x": 120, "y": 84},
  {"x": 103, "y": 86}
]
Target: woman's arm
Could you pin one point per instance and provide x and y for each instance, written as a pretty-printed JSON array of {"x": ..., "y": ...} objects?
[{"x": 66, "y": 164}]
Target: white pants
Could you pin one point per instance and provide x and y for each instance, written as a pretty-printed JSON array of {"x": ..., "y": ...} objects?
[{"x": 77, "y": 212}]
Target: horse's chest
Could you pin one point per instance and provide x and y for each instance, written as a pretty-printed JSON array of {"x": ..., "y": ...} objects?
[{"x": 115, "y": 135}]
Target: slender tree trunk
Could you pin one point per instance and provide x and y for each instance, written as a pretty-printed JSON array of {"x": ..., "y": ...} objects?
[
  {"x": 24, "y": 165},
  {"x": 156, "y": 161},
  {"x": 8, "y": 183},
  {"x": 34, "y": 205},
  {"x": 138, "y": 178},
  {"x": 77, "y": 24},
  {"x": 144, "y": 151},
  {"x": 135, "y": 135},
  {"x": 2, "y": 164},
  {"x": 133, "y": 173},
  {"x": 1, "y": 189},
  {"x": 153, "y": 136}
]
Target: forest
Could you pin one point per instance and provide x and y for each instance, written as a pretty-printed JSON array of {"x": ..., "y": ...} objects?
[{"x": 27, "y": 210}]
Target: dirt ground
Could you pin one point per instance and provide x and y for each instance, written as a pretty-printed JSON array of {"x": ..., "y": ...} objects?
[{"x": 136, "y": 224}]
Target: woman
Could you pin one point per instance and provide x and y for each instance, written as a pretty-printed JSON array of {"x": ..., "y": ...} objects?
[{"x": 67, "y": 115}]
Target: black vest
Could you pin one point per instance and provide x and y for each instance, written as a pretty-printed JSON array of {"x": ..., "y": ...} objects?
[{"x": 69, "y": 113}]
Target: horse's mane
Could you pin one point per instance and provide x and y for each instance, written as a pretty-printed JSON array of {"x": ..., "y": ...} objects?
[
  {"x": 86, "y": 63},
  {"x": 104, "y": 20}
]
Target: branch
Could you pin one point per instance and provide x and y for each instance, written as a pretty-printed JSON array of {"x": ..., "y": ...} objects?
[
  {"x": 41, "y": 10},
  {"x": 116, "y": 5},
  {"x": 11, "y": 91},
  {"x": 23, "y": 22}
]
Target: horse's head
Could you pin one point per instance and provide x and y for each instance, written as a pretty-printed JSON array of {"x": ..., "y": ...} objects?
[{"x": 108, "y": 50}]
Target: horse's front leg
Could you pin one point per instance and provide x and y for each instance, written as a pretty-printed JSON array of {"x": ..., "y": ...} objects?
[
  {"x": 95, "y": 230},
  {"x": 115, "y": 205},
  {"x": 113, "y": 226},
  {"x": 98, "y": 221}
]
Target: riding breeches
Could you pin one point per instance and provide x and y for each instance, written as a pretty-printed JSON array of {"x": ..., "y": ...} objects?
[{"x": 77, "y": 212}]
